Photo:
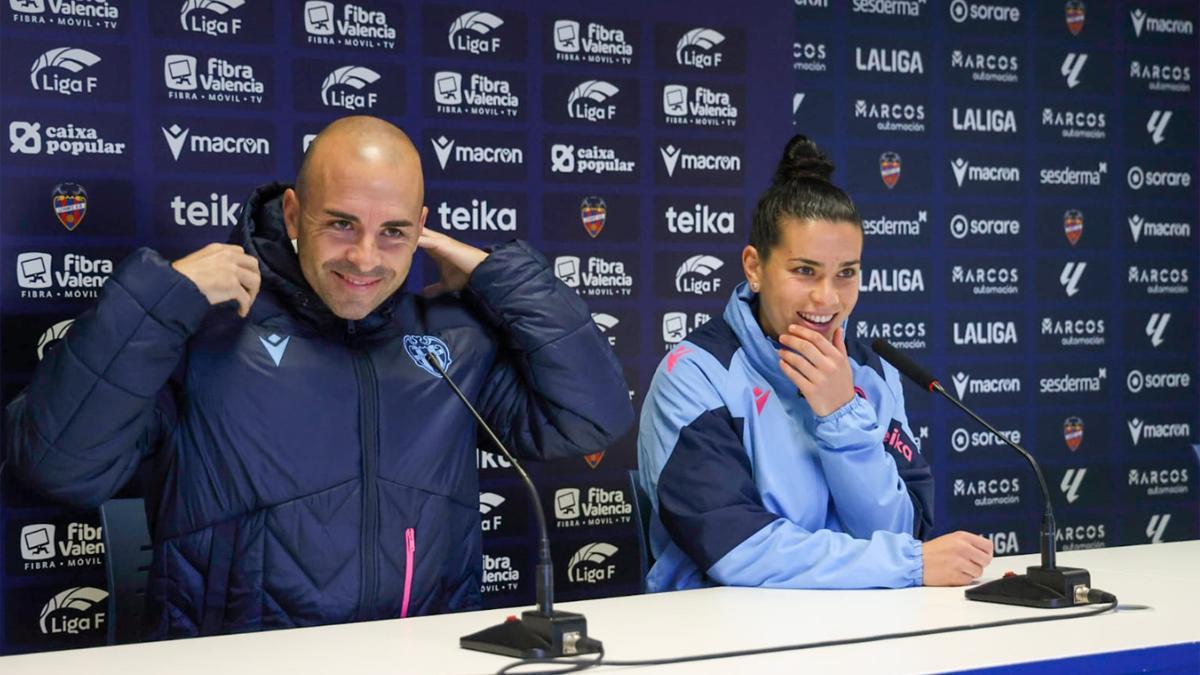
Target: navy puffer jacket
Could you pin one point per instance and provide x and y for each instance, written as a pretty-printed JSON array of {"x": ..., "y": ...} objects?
[{"x": 302, "y": 469}]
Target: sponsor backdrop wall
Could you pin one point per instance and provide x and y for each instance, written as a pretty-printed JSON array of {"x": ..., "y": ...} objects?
[{"x": 1026, "y": 171}]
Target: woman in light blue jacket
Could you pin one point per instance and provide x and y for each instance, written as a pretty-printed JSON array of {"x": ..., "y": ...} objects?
[{"x": 775, "y": 452}]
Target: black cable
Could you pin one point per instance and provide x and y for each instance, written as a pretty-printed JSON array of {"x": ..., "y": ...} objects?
[
  {"x": 576, "y": 665},
  {"x": 1107, "y": 598}
]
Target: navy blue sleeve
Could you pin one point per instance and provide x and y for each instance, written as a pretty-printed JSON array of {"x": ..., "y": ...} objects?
[
  {"x": 916, "y": 474},
  {"x": 98, "y": 402},
  {"x": 557, "y": 389},
  {"x": 706, "y": 493}
]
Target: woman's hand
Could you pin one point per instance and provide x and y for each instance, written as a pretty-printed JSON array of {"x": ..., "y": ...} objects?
[{"x": 820, "y": 369}]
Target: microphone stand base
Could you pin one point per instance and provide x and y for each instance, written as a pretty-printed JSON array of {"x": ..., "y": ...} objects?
[
  {"x": 1038, "y": 587},
  {"x": 535, "y": 636}
]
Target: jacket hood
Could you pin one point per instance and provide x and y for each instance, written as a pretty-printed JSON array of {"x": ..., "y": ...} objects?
[
  {"x": 762, "y": 351},
  {"x": 262, "y": 233}
]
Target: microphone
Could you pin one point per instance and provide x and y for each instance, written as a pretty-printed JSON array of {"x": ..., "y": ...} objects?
[
  {"x": 1045, "y": 585},
  {"x": 544, "y": 632}
]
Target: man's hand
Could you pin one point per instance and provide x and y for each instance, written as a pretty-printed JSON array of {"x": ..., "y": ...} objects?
[
  {"x": 955, "y": 559},
  {"x": 223, "y": 272},
  {"x": 455, "y": 261},
  {"x": 820, "y": 369}
]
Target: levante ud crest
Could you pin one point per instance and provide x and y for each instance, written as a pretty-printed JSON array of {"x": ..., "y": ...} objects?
[
  {"x": 1073, "y": 225},
  {"x": 593, "y": 211},
  {"x": 70, "y": 204},
  {"x": 1073, "y": 433},
  {"x": 889, "y": 169}
]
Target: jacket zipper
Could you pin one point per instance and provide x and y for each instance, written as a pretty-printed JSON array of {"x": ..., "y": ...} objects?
[
  {"x": 410, "y": 549},
  {"x": 368, "y": 395}
]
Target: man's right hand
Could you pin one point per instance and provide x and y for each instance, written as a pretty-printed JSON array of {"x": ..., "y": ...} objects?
[
  {"x": 223, "y": 272},
  {"x": 955, "y": 559}
]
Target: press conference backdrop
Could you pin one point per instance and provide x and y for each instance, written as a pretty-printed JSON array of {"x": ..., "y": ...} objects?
[{"x": 1026, "y": 173}]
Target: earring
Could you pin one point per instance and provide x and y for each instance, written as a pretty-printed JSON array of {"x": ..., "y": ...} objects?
[{"x": 754, "y": 286}]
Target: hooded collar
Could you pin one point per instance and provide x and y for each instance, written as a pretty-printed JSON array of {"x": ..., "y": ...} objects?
[
  {"x": 761, "y": 351},
  {"x": 262, "y": 233}
]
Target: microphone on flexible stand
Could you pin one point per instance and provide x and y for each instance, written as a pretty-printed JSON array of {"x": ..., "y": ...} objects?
[
  {"x": 544, "y": 632},
  {"x": 1045, "y": 585}
]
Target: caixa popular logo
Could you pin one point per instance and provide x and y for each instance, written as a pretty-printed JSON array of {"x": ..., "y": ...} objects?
[
  {"x": 711, "y": 163},
  {"x": 701, "y": 105},
  {"x": 374, "y": 89},
  {"x": 50, "y": 546},
  {"x": 597, "y": 276},
  {"x": 355, "y": 25},
  {"x": 593, "y": 563},
  {"x": 598, "y": 101},
  {"x": 81, "y": 609},
  {"x": 1160, "y": 280},
  {"x": 234, "y": 80},
  {"x": 72, "y": 277},
  {"x": 591, "y": 42},
  {"x": 605, "y": 159},
  {"x": 990, "y": 384},
  {"x": 100, "y": 143},
  {"x": 212, "y": 145},
  {"x": 490, "y": 35},
  {"x": 700, "y": 48},
  {"x": 465, "y": 93},
  {"x": 99, "y": 15},
  {"x": 474, "y": 155}
]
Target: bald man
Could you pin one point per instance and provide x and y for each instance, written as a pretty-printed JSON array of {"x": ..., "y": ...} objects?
[{"x": 301, "y": 461}]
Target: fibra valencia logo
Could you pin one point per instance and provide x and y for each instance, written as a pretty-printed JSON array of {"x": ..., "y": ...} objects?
[
  {"x": 70, "y": 14},
  {"x": 60, "y": 71},
  {"x": 355, "y": 26},
  {"x": 214, "y": 80},
  {"x": 418, "y": 347},
  {"x": 591, "y": 42}
]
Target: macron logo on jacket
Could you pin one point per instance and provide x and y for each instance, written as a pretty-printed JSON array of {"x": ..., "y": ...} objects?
[{"x": 275, "y": 346}]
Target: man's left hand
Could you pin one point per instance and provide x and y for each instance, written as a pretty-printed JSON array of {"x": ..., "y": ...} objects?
[
  {"x": 820, "y": 369},
  {"x": 455, "y": 261}
]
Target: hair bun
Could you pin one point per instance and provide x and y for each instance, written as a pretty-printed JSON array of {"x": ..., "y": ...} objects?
[{"x": 803, "y": 159}]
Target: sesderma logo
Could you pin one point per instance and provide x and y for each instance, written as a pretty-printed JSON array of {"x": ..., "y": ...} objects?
[
  {"x": 469, "y": 33},
  {"x": 591, "y": 565},
  {"x": 589, "y": 101},
  {"x": 698, "y": 49},
  {"x": 694, "y": 276},
  {"x": 210, "y": 17},
  {"x": 343, "y": 88},
  {"x": 58, "y": 70}
]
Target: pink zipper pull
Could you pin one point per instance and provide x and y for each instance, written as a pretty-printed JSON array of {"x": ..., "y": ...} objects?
[{"x": 410, "y": 548}]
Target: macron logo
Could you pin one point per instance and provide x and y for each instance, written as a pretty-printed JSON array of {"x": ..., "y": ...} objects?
[
  {"x": 442, "y": 146},
  {"x": 1139, "y": 19},
  {"x": 670, "y": 155},
  {"x": 960, "y": 383},
  {"x": 760, "y": 398},
  {"x": 275, "y": 346},
  {"x": 673, "y": 357},
  {"x": 175, "y": 139},
  {"x": 959, "y": 166}
]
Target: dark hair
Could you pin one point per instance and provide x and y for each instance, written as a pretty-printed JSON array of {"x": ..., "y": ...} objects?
[{"x": 800, "y": 189}]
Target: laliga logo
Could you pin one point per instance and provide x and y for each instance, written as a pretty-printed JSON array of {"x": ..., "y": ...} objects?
[
  {"x": 1072, "y": 65},
  {"x": 1071, "y": 481},
  {"x": 590, "y": 564},
  {"x": 1072, "y": 272},
  {"x": 1157, "y": 124},
  {"x": 1157, "y": 527},
  {"x": 468, "y": 31},
  {"x": 69, "y": 59},
  {"x": 334, "y": 93},
  {"x": 691, "y": 275},
  {"x": 1156, "y": 326},
  {"x": 210, "y": 26},
  {"x": 695, "y": 48}
]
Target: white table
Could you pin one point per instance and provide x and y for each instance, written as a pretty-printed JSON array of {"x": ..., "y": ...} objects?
[{"x": 1163, "y": 576}]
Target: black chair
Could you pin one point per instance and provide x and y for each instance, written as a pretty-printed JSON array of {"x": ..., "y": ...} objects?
[
  {"x": 127, "y": 553},
  {"x": 642, "y": 513}
]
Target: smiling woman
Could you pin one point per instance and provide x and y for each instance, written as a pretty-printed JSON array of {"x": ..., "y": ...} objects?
[{"x": 776, "y": 454}]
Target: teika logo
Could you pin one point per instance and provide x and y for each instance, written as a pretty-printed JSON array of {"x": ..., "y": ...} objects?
[
  {"x": 1072, "y": 65},
  {"x": 1071, "y": 481},
  {"x": 1157, "y": 125},
  {"x": 1072, "y": 272},
  {"x": 1157, "y": 527},
  {"x": 1156, "y": 326}
]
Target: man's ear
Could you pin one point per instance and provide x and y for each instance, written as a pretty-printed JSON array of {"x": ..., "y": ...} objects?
[
  {"x": 421, "y": 225},
  {"x": 291, "y": 213},
  {"x": 752, "y": 266}
]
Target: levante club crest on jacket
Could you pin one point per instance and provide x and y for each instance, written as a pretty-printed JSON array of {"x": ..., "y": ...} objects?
[
  {"x": 418, "y": 346},
  {"x": 70, "y": 204},
  {"x": 593, "y": 211}
]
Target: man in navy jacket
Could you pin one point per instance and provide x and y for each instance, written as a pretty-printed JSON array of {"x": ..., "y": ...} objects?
[{"x": 304, "y": 464}]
